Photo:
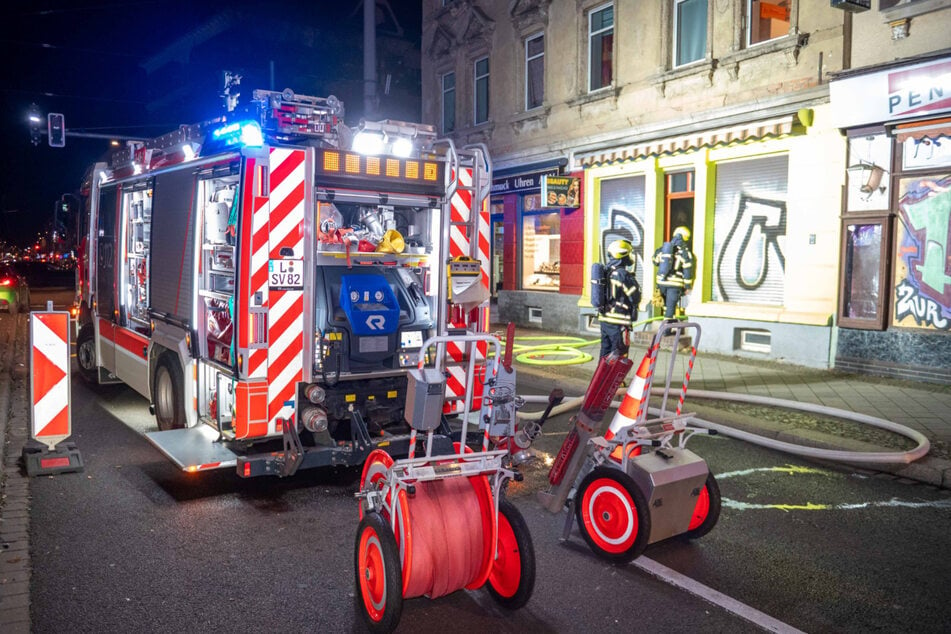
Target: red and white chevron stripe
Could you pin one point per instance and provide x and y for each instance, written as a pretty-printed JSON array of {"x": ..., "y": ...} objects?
[
  {"x": 285, "y": 348},
  {"x": 49, "y": 356}
]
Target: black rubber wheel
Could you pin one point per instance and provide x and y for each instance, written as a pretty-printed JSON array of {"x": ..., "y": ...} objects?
[
  {"x": 86, "y": 355},
  {"x": 378, "y": 575},
  {"x": 168, "y": 394},
  {"x": 512, "y": 579},
  {"x": 707, "y": 511},
  {"x": 612, "y": 515}
]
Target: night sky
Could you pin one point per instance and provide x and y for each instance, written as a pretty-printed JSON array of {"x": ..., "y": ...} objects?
[{"x": 140, "y": 69}]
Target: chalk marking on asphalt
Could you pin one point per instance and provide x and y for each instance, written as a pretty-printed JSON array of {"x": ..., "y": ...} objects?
[
  {"x": 812, "y": 506},
  {"x": 809, "y": 506},
  {"x": 710, "y": 595},
  {"x": 790, "y": 469}
]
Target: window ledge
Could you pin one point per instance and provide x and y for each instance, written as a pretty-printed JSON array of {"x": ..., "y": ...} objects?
[
  {"x": 606, "y": 94},
  {"x": 480, "y": 133},
  {"x": 530, "y": 120},
  {"x": 905, "y": 10},
  {"x": 790, "y": 44},
  {"x": 703, "y": 68}
]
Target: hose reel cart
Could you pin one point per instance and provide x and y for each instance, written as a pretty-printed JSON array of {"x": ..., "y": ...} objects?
[
  {"x": 436, "y": 524},
  {"x": 636, "y": 485}
]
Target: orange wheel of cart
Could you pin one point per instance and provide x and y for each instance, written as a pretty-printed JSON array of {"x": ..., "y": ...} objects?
[
  {"x": 612, "y": 515},
  {"x": 375, "y": 471},
  {"x": 379, "y": 595},
  {"x": 706, "y": 513},
  {"x": 512, "y": 578}
]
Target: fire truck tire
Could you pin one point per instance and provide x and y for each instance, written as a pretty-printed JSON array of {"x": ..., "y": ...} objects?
[
  {"x": 707, "y": 511},
  {"x": 612, "y": 515},
  {"x": 86, "y": 355},
  {"x": 512, "y": 579},
  {"x": 168, "y": 394},
  {"x": 378, "y": 578}
]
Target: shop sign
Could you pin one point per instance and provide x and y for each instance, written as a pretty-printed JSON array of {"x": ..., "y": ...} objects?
[
  {"x": 521, "y": 183},
  {"x": 560, "y": 191},
  {"x": 893, "y": 94}
]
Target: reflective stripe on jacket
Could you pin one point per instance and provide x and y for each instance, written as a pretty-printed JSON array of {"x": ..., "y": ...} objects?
[{"x": 681, "y": 269}]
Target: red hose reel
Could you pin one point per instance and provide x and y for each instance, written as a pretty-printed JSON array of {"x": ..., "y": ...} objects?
[{"x": 437, "y": 524}]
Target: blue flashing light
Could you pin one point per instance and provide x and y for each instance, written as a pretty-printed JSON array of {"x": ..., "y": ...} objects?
[
  {"x": 251, "y": 134},
  {"x": 246, "y": 133}
]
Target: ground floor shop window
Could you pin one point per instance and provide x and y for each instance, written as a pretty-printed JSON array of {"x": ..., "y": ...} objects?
[
  {"x": 922, "y": 283},
  {"x": 749, "y": 239},
  {"x": 541, "y": 249},
  {"x": 863, "y": 273}
]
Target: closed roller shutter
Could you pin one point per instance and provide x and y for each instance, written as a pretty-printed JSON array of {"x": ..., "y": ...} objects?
[
  {"x": 172, "y": 250},
  {"x": 749, "y": 233}
]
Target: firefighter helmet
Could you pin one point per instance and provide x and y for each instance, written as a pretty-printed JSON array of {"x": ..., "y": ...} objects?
[
  {"x": 683, "y": 232},
  {"x": 619, "y": 249}
]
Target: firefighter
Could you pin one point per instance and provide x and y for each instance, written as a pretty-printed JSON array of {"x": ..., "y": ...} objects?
[
  {"x": 674, "y": 263},
  {"x": 622, "y": 295}
]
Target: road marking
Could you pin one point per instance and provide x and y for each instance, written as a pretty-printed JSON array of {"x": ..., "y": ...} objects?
[
  {"x": 812, "y": 506},
  {"x": 748, "y": 506},
  {"x": 790, "y": 469},
  {"x": 710, "y": 595}
]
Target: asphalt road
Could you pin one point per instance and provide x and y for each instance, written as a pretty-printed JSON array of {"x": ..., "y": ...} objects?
[{"x": 132, "y": 544}]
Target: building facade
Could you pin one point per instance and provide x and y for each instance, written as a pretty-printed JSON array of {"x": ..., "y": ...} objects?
[
  {"x": 712, "y": 115},
  {"x": 894, "y": 108}
]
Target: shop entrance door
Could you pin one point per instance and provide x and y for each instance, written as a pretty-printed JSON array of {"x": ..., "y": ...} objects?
[{"x": 679, "y": 196}]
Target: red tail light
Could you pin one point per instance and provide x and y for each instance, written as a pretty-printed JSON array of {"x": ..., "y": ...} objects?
[{"x": 7, "y": 281}]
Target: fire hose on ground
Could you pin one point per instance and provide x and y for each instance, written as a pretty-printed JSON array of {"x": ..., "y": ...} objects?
[{"x": 570, "y": 348}]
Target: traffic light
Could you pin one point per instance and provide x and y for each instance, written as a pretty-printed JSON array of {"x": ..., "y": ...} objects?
[
  {"x": 35, "y": 121},
  {"x": 56, "y": 126}
]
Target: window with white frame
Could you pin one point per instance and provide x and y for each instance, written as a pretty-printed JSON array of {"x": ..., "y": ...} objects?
[
  {"x": 481, "y": 92},
  {"x": 766, "y": 20},
  {"x": 448, "y": 102},
  {"x": 600, "y": 47},
  {"x": 534, "y": 71},
  {"x": 690, "y": 31}
]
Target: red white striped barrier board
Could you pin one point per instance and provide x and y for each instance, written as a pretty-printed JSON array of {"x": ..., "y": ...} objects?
[
  {"x": 50, "y": 420},
  {"x": 49, "y": 383}
]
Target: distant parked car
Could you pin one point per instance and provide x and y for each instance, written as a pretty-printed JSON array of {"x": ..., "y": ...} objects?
[
  {"x": 14, "y": 290},
  {"x": 46, "y": 275}
]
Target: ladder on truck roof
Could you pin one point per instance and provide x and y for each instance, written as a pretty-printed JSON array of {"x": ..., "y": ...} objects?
[{"x": 283, "y": 117}]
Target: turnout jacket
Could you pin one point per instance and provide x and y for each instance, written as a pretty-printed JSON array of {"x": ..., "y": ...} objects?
[
  {"x": 623, "y": 295},
  {"x": 674, "y": 263}
]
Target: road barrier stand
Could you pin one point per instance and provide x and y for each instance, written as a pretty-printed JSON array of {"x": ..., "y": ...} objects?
[{"x": 50, "y": 420}]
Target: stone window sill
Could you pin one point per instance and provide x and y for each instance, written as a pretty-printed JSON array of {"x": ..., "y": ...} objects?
[
  {"x": 913, "y": 9},
  {"x": 608, "y": 93}
]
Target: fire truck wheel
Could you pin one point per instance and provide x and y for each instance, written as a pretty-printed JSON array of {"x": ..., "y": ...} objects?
[
  {"x": 379, "y": 581},
  {"x": 86, "y": 355},
  {"x": 612, "y": 515},
  {"x": 512, "y": 579},
  {"x": 168, "y": 394},
  {"x": 707, "y": 511}
]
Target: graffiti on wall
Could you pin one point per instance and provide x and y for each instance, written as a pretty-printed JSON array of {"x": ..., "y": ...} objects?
[
  {"x": 621, "y": 217},
  {"x": 751, "y": 264},
  {"x": 923, "y": 259},
  {"x": 623, "y": 225}
]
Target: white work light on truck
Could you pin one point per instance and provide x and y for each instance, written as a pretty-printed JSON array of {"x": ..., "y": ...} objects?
[
  {"x": 369, "y": 143},
  {"x": 402, "y": 147}
]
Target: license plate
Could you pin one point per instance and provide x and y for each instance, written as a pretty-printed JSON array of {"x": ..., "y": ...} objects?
[{"x": 286, "y": 274}]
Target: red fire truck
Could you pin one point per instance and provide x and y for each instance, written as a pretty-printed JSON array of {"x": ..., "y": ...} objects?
[{"x": 266, "y": 279}]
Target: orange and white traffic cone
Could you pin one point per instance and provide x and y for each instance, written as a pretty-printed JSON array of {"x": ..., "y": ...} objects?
[{"x": 631, "y": 405}]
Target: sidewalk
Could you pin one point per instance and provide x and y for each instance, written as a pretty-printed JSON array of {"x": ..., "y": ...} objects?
[{"x": 923, "y": 407}]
